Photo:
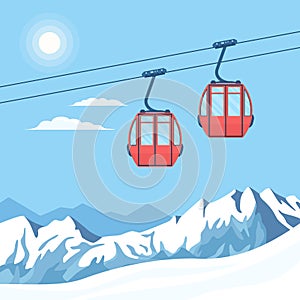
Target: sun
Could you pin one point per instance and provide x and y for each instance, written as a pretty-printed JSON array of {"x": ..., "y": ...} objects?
[{"x": 49, "y": 42}]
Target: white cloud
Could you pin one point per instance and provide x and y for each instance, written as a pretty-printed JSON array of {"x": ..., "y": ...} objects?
[
  {"x": 64, "y": 123},
  {"x": 98, "y": 102}
]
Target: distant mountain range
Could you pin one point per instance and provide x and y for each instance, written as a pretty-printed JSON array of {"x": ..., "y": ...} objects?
[
  {"x": 95, "y": 223},
  {"x": 62, "y": 246}
]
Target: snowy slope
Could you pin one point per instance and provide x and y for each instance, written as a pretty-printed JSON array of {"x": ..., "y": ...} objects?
[
  {"x": 58, "y": 252},
  {"x": 268, "y": 272}
]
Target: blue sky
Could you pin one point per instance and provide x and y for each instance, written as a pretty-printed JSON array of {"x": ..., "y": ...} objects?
[{"x": 37, "y": 167}]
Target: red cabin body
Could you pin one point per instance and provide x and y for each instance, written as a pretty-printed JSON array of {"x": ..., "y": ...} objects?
[
  {"x": 225, "y": 110},
  {"x": 155, "y": 139}
]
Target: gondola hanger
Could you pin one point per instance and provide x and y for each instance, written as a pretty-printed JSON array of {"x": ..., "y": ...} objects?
[
  {"x": 152, "y": 74},
  {"x": 223, "y": 45}
]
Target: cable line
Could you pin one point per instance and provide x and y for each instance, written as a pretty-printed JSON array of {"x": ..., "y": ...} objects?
[
  {"x": 233, "y": 59},
  {"x": 68, "y": 90},
  {"x": 269, "y": 37},
  {"x": 105, "y": 67},
  {"x": 140, "y": 60},
  {"x": 137, "y": 77}
]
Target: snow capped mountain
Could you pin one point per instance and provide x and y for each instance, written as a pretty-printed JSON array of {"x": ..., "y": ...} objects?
[{"x": 59, "y": 251}]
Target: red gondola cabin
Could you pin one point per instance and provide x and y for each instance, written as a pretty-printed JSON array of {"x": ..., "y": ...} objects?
[
  {"x": 225, "y": 110},
  {"x": 155, "y": 139}
]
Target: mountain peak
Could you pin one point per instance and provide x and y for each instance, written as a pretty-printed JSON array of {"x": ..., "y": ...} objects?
[
  {"x": 267, "y": 192},
  {"x": 249, "y": 190},
  {"x": 10, "y": 201},
  {"x": 234, "y": 191}
]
